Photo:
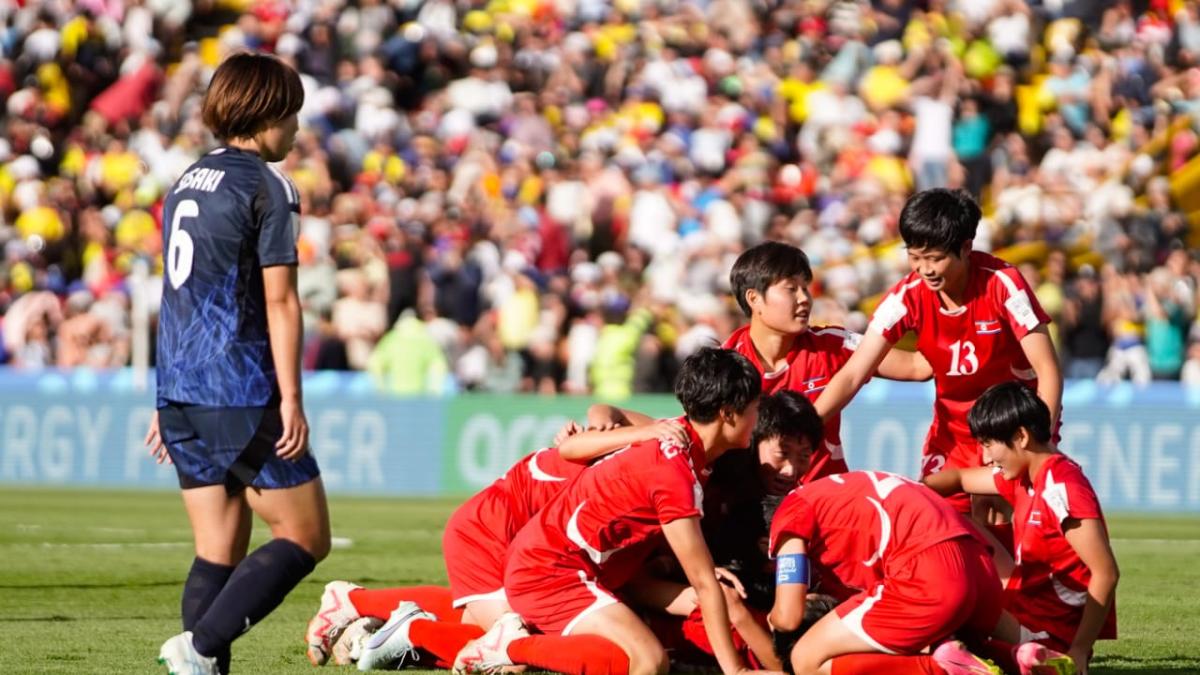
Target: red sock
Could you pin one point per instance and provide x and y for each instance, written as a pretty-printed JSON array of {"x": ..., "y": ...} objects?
[
  {"x": 570, "y": 654},
  {"x": 853, "y": 664},
  {"x": 379, "y": 602},
  {"x": 443, "y": 639},
  {"x": 1002, "y": 654}
]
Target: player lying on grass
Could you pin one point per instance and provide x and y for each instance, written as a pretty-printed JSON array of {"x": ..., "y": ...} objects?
[
  {"x": 771, "y": 283},
  {"x": 474, "y": 544},
  {"x": 1062, "y": 586},
  {"x": 596, "y": 534},
  {"x": 977, "y": 322}
]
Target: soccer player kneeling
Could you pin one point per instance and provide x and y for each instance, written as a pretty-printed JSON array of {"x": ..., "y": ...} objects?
[
  {"x": 920, "y": 571},
  {"x": 589, "y": 540},
  {"x": 1062, "y": 586}
]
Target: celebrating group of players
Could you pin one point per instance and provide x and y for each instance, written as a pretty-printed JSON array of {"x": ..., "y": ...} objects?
[
  {"x": 635, "y": 544},
  {"x": 733, "y": 532}
]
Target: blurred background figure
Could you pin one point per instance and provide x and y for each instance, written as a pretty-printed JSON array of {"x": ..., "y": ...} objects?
[{"x": 548, "y": 197}]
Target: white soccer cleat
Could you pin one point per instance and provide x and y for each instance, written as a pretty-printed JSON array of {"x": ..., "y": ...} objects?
[
  {"x": 334, "y": 615},
  {"x": 181, "y": 658},
  {"x": 956, "y": 659},
  {"x": 348, "y": 647},
  {"x": 489, "y": 652},
  {"x": 390, "y": 646}
]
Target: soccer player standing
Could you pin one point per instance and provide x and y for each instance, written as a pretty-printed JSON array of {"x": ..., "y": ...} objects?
[
  {"x": 230, "y": 414},
  {"x": 977, "y": 323}
]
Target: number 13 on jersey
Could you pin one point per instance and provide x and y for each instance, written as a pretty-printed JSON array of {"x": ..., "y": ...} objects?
[{"x": 962, "y": 358}]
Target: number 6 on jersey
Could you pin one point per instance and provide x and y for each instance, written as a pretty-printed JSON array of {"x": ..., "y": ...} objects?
[{"x": 180, "y": 248}]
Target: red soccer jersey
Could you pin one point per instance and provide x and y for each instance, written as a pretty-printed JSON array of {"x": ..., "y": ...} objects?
[
  {"x": 603, "y": 522},
  {"x": 859, "y": 527},
  {"x": 970, "y": 348},
  {"x": 815, "y": 356},
  {"x": 1048, "y": 589},
  {"x": 534, "y": 481}
]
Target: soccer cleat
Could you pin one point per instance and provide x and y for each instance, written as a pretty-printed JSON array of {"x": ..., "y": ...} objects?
[
  {"x": 1036, "y": 659},
  {"x": 348, "y": 646},
  {"x": 181, "y": 658},
  {"x": 489, "y": 652},
  {"x": 390, "y": 646},
  {"x": 956, "y": 659},
  {"x": 334, "y": 615}
]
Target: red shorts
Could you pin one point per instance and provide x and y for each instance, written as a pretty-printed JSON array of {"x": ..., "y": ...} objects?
[
  {"x": 474, "y": 545},
  {"x": 554, "y": 599},
  {"x": 951, "y": 587}
]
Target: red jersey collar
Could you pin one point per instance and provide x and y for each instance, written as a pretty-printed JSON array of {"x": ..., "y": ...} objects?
[
  {"x": 741, "y": 342},
  {"x": 699, "y": 459}
]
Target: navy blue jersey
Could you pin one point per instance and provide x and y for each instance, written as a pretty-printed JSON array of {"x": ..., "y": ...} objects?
[{"x": 230, "y": 215}]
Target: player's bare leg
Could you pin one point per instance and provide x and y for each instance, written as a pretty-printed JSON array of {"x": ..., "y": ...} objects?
[
  {"x": 619, "y": 624},
  {"x": 220, "y": 523},
  {"x": 483, "y": 613},
  {"x": 671, "y": 597},
  {"x": 299, "y": 521},
  {"x": 298, "y": 514},
  {"x": 813, "y": 653}
]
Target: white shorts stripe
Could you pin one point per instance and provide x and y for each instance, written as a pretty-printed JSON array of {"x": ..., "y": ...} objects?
[
  {"x": 464, "y": 601},
  {"x": 602, "y": 600},
  {"x": 854, "y": 620}
]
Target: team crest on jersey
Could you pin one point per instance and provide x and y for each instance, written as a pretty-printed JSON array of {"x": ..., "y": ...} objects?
[
  {"x": 1035, "y": 518},
  {"x": 987, "y": 327},
  {"x": 814, "y": 384}
]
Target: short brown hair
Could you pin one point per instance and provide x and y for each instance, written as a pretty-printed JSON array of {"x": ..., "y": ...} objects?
[{"x": 250, "y": 92}]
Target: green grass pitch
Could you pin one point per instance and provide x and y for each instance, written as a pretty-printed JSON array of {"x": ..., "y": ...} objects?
[{"x": 90, "y": 581}]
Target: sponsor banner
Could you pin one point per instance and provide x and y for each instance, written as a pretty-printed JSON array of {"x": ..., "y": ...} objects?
[
  {"x": 1139, "y": 447},
  {"x": 81, "y": 428}
]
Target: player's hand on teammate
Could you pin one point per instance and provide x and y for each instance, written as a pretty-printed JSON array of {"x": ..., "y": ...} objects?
[
  {"x": 568, "y": 430},
  {"x": 730, "y": 579},
  {"x": 668, "y": 430},
  {"x": 293, "y": 443}
]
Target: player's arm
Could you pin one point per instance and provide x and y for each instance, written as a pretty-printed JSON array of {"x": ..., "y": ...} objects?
[
  {"x": 284, "y": 331},
  {"x": 1039, "y": 350},
  {"x": 903, "y": 365},
  {"x": 791, "y": 586},
  {"x": 1090, "y": 541},
  {"x": 687, "y": 542},
  {"x": 852, "y": 376},
  {"x": 600, "y": 415},
  {"x": 976, "y": 481},
  {"x": 588, "y": 445}
]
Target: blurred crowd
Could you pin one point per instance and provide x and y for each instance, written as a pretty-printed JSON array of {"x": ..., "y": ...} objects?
[{"x": 547, "y": 195}]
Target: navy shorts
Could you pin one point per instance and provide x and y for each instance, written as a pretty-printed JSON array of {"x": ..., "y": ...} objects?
[{"x": 234, "y": 447}]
